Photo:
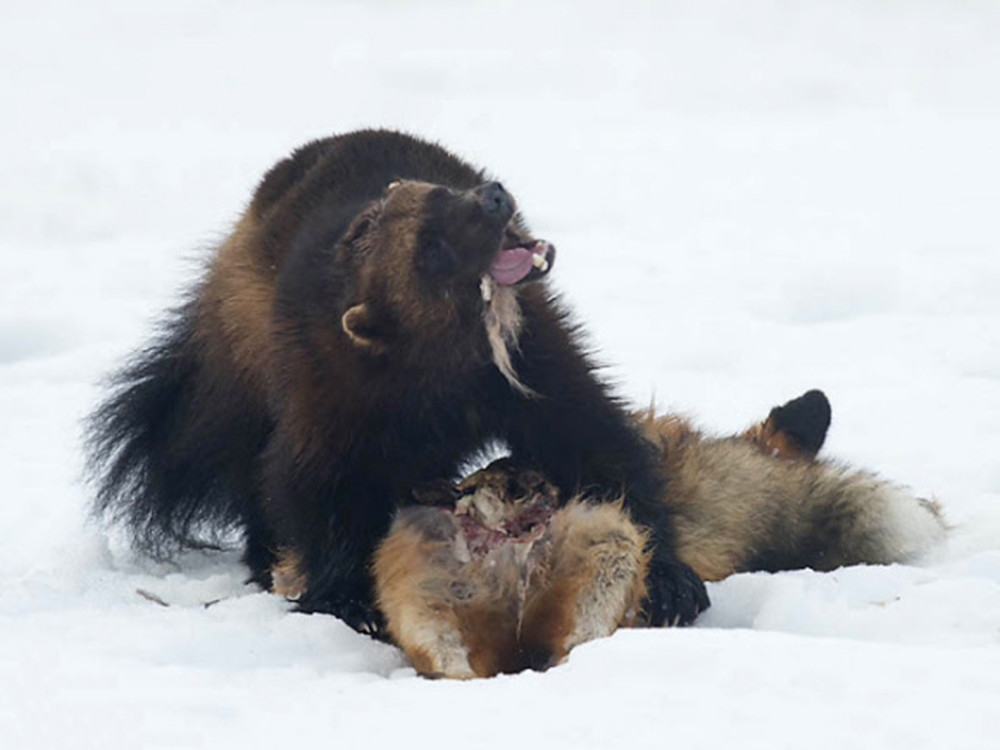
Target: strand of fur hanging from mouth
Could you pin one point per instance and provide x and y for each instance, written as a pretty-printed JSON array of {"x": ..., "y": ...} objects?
[{"x": 502, "y": 317}]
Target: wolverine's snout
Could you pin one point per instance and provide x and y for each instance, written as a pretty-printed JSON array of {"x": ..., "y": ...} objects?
[{"x": 496, "y": 202}]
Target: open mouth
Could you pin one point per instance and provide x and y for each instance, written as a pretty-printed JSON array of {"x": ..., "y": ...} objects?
[{"x": 521, "y": 259}]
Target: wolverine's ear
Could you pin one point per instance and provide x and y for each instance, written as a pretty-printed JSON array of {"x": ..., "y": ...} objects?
[{"x": 361, "y": 325}]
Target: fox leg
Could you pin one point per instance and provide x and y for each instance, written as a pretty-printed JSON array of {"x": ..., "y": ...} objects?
[
  {"x": 592, "y": 582},
  {"x": 414, "y": 574}
]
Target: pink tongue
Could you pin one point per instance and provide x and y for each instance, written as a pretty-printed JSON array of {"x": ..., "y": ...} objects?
[{"x": 510, "y": 266}]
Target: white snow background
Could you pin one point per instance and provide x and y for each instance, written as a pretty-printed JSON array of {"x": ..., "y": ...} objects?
[{"x": 749, "y": 200}]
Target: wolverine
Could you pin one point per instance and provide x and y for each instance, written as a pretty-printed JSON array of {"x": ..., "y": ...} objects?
[
  {"x": 495, "y": 574},
  {"x": 379, "y": 314}
]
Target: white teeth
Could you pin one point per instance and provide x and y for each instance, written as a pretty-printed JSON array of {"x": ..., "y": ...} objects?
[
  {"x": 486, "y": 288},
  {"x": 539, "y": 261}
]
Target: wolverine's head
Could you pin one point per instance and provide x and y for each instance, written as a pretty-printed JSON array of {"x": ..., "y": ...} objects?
[{"x": 430, "y": 260}]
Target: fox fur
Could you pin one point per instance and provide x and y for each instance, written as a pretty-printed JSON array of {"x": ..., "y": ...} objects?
[{"x": 757, "y": 501}]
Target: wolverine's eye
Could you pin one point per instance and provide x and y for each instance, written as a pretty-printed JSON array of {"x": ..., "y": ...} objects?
[
  {"x": 360, "y": 229},
  {"x": 436, "y": 257},
  {"x": 361, "y": 225}
]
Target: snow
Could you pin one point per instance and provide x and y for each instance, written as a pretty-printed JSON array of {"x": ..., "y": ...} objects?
[{"x": 749, "y": 200}]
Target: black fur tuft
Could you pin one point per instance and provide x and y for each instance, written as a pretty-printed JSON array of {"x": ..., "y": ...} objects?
[{"x": 172, "y": 452}]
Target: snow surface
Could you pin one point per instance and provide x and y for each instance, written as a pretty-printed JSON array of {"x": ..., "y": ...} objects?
[{"x": 750, "y": 199}]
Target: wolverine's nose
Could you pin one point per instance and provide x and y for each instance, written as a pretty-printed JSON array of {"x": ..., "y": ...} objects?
[{"x": 498, "y": 202}]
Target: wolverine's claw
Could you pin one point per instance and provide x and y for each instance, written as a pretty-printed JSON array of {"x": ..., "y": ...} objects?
[
  {"x": 676, "y": 594},
  {"x": 357, "y": 613}
]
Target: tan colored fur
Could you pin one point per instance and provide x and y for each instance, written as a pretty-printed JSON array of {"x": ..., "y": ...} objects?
[
  {"x": 458, "y": 619},
  {"x": 287, "y": 578},
  {"x": 238, "y": 298},
  {"x": 418, "y": 602},
  {"x": 737, "y": 507},
  {"x": 522, "y": 604},
  {"x": 595, "y": 580}
]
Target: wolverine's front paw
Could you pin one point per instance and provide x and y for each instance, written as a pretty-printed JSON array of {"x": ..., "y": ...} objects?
[
  {"x": 675, "y": 593},
  {"x": 363, "y": 617},
  {"x": 358, "y": 613}
]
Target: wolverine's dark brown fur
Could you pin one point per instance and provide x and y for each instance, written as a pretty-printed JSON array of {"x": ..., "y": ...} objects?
[
  {"x": 355, "y": 336},
  {"x": 759, "y": 501}
]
